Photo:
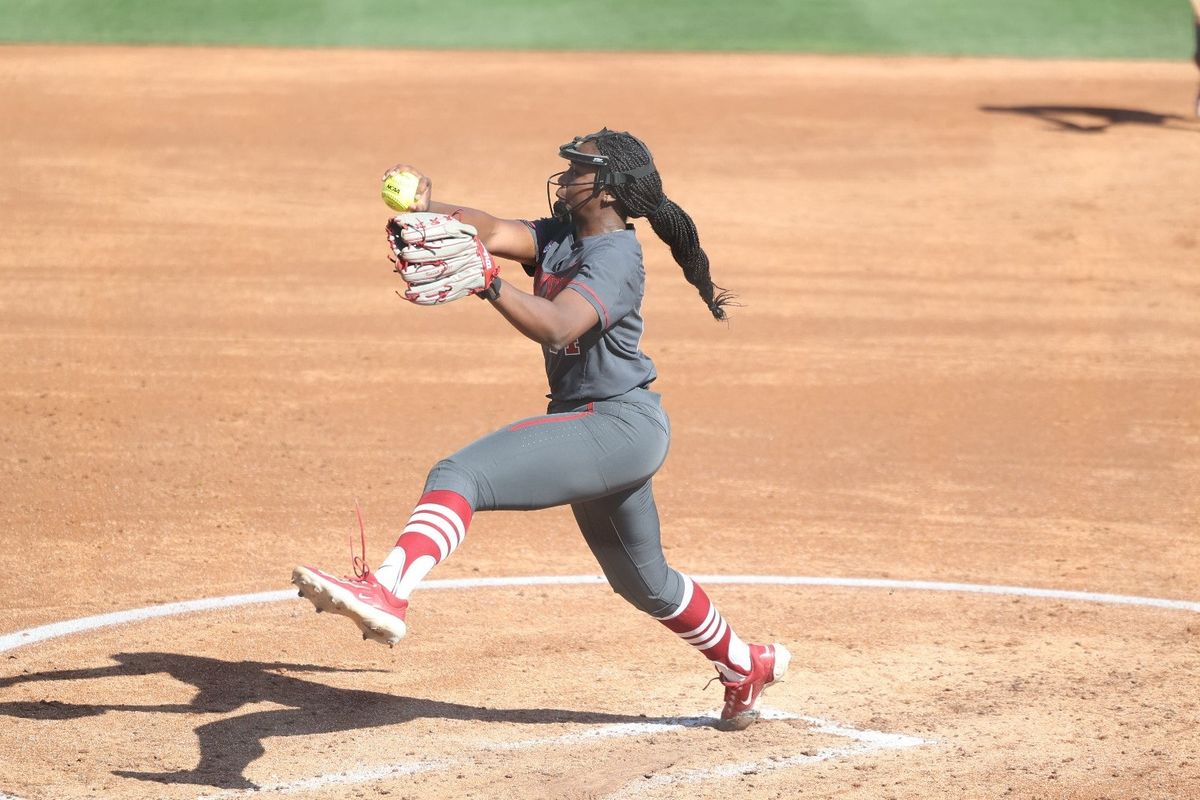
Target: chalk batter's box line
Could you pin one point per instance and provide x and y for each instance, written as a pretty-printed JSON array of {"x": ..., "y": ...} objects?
[{"x": 863, "y": 743}]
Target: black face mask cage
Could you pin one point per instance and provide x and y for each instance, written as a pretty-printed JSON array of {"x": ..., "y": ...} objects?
[{"x": 559, "y": 209}]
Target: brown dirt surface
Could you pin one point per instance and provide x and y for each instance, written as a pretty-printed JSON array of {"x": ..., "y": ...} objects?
[{"x": 969, "y": 352}]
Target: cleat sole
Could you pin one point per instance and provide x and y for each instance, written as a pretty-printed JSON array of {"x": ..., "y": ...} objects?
[
  {"x": 738, "y": 723},
  {"x": 375, "y": 625}
]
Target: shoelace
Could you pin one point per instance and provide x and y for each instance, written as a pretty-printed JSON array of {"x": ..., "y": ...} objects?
[
  {"x": 359, "y": 563},
  {"x": 725, "y": 683}
]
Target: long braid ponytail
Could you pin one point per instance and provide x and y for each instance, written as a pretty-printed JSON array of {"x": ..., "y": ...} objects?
[{"x": 644, "y": 197}]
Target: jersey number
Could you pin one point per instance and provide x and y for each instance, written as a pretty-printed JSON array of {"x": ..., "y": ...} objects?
[{"x": 572, "y": 349}]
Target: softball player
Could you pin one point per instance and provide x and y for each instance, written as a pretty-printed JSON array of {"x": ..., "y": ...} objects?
[{"x": 605, "y": 433}]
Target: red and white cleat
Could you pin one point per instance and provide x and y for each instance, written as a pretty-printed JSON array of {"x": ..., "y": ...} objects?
[
  {"x": 768, "y": 665},
  {"x": 375, "y": 610}
]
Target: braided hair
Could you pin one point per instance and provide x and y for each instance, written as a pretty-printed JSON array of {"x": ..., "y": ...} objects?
[{"x": 644, "y": 197}]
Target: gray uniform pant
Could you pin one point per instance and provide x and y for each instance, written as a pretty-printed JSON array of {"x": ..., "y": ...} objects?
[{"x": 598, "y": 457}]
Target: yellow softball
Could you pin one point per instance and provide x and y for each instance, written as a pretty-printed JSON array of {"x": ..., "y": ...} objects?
[{"x": 400, "y": 190}]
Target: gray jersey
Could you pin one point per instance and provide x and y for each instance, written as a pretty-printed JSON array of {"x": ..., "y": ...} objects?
[{"x": 607, "y": 271}]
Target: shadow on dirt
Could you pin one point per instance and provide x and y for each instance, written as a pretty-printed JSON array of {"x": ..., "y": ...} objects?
[
  {"x": 229, "y": 745},
  {"x": 1095, "y": 119}
]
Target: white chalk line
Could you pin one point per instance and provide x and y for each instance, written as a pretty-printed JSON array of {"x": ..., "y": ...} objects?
[
  {"x": 52, "y": 631},
  {"x": 866, "y": 741},
  {"x": 67, "y": 627},
  {"x": 368, "y": 775},
  {"x": 619, "y": 729},
  {"x": 615, "y": 730}
]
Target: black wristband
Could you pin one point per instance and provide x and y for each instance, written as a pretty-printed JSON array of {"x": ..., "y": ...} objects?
[{"x": 492, "y": 292}]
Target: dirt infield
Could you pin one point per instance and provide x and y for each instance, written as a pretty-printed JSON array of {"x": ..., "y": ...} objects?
[{"x": 969, "y": 352}]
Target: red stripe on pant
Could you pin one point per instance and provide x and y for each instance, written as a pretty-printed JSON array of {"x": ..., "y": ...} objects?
[{"x": 552, "y": 418}]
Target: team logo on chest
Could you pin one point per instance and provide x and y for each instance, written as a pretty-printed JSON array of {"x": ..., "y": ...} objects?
[{"x": 549, "y": 284}]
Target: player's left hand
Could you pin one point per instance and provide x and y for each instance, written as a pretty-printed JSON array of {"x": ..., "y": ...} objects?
[{"x": 439, "y": 257}]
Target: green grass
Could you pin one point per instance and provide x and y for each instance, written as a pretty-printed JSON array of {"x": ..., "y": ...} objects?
[{"x": 1028, "y": 28}]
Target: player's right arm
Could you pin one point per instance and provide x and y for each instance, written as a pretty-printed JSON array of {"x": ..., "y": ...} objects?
[{"x": 507, "y": 238}]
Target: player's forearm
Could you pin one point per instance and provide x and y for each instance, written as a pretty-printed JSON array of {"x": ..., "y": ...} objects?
[
  {"x": 483, "y": 222},
  {"x": 507, "y": 238},
  {"x": 536, "y": 317}
]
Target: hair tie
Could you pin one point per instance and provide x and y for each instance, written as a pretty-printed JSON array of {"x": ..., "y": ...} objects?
[{"x": 658, "y": 208}]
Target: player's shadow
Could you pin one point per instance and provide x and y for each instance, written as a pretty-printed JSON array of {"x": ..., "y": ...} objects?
[
  {"x": 1094, "y": 119},
  {"x": 229, "y": 745}
]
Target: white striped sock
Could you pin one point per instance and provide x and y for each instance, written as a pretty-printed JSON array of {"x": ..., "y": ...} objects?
[
  {"x": 388, "y": 573},
  {"x": 432, "y": 521},
  {"x": 709, "y": 633},
  {"x": 739, "y": 653},
  {"x": 416, "y": 571}
]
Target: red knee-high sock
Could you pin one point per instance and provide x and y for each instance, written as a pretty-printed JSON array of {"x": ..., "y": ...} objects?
[
  {"x": 435, "y": 530},
  {"x": 698, "y": 622}
]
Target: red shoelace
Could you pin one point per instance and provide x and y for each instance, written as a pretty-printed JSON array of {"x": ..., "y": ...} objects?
[{"x": 359, "y": 563}]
